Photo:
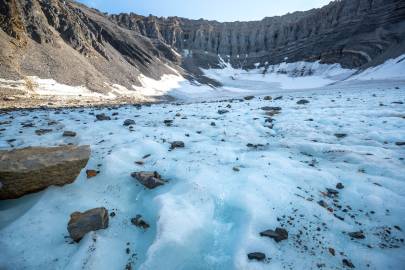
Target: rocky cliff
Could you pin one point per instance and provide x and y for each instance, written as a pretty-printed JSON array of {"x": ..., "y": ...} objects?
[
  {"x": 351, "y": 32},
  {"x": 77, "y": 45}
]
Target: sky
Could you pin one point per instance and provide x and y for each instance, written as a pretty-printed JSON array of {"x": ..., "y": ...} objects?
[{"x": 220, "y": 10}]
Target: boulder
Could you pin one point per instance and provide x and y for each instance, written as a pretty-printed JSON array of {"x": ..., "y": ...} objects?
[
  {"x": 150, "y": 180},
  {"x": 28, "y": 170},
  {"x": 82, "y": 223}
]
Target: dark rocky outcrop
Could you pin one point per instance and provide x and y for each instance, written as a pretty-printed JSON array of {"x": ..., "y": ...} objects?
[
  {"x": 91, "y": 220},
  {"x": 28, "y": 170}
]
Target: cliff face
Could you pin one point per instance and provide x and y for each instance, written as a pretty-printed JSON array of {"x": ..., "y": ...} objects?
[{"x": 351, "y": 32}]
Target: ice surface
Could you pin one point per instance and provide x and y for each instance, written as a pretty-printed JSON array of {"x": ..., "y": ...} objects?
[{"x": 208, "y": 215}]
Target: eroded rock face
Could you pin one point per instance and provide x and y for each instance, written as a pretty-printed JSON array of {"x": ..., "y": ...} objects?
[
  {"x": 349, "y": 32},
  {"x": 82, "y": 223},
  {"x": 28, "y": 170}
]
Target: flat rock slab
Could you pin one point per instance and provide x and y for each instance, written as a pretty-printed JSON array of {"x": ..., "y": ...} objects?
[
  {"x": 91, "y": 220},
  {"x": 29, "y": 170}
]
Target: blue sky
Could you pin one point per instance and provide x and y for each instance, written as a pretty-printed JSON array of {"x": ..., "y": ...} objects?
[{"x": 221, "y": 10}]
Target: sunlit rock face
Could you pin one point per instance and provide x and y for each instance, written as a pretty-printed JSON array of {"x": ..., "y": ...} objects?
[{"x": 352, "y": 33}]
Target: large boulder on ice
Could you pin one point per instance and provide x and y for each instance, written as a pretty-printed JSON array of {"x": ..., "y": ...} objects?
[
  {"x": 28, "y": 170},
  {"x": 91, "y": 220}
]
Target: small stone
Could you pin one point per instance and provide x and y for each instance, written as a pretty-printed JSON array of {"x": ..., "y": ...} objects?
[
  {"x": 168, "y": 122},
  {"x": 42, "y": 131},
  {"x": 249, "y": 97},
  {"x": 223, "y": 111},
  {"x": 332, "y": 251},
  {"x": 302, "y": 102},
  {"x": 102, "y": 117},
  {"x": 139, "y": 162},
  {"x": 347, "y": 263},
  {"x": 82, "y": 223},
  {"x": 278, "y": 235},
  {"x": 150, "y": 180},
  {"x": 129, "y": 122},
  {"x": 139, "y": 222},
  {"x": 176, "y": 144},
  {"x": 258, "y": 256},
  {"x": 340, "y": 135},
  {"x": 236, "y": 169},
  {"x": 357, "y": 235},
  {"x": 69, "y": 133},
  {"x": 91, "y": 173},
  {"x": 400, "y": 143},
  {"x": 267, "y": 98},
  {"x": 332, "y": 192},
  {"x": 270, "y": 108},
  {"x": 340, "y": 186}
]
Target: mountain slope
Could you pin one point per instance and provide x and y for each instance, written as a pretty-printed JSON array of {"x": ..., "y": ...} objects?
[{"x": 77, "y": 45}]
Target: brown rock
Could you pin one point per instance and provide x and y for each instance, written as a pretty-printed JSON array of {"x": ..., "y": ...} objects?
[
  {"x": 28, "y": 170},
  {"x": 82, "y": 223},
  {"x": 91, "y": 173},
  {"x": 150, "y": 180},
  {"x": 278, "y": 235}
]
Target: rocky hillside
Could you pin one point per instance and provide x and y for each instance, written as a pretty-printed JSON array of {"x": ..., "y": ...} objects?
[{"x": 77, "y": 45}]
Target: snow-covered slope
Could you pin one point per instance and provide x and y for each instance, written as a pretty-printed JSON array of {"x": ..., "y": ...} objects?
[{"x": 234, "y": 178}]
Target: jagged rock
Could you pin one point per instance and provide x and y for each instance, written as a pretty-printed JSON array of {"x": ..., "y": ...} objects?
[
  {"x": 102, "y": 117},
  {"x": 168, "y": 122},
  {"x": 91, "y": 220},
  {"x": 340, "y": 186},
  {"x": 129, "y": 122},
  {"x": 348, "y": 263},
  {"x": 42, "y": 131},
  {"x": 340, "y": 135},
  {"x": 223, "y": 111},
  {"x": 258, "y": 256},
  {"x": 302, "y": 102},
  {"x": 150, "y": 180},
  {"x": 139, "y": 222},
  {"x": 28, "y": 170},
  {"x": 270, "y": 108},
  {"x": 332, "y": 192},
  {"x": 176, "y": 144},
  {"x": 278, "y": 235},
  {"x": 357, "y": 235},
  {"x": 69, "y": 133},
  {"x": 91, "y": 173}
]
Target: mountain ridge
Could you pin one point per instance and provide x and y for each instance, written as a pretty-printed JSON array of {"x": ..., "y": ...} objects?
[{"x": 78, "y": 45}]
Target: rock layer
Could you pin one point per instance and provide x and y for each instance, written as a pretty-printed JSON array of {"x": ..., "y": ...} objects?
[
  {"x": 28, "y": 170},
  {"x": 351, "y": 32}
]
